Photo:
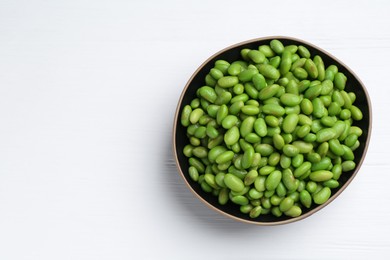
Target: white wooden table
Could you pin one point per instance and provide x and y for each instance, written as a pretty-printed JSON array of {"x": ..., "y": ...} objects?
[{"x": 88, "y": 90}]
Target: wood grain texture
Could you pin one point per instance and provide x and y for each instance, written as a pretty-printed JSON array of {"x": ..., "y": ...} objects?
[{"x": 88, "y": 90}]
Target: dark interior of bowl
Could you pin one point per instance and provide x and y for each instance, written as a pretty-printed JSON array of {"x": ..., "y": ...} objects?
[{"x": 232, "y": 54}]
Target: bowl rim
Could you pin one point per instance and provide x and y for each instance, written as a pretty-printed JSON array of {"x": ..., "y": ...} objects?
[{"x": 319, "y": 207}]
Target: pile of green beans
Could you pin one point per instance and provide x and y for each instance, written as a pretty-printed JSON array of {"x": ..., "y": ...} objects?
[{"x": 272, "y": 132}]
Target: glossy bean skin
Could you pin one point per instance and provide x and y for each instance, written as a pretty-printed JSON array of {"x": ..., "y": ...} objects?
[
  {"x": 273, "y": 180},
  {"x": 305, "y": 198},
  {"x": 321, "y": 175},
  {"x": 232, "y": 136},
  {"x": 233, "y": 182},
  {"x": 322, "y": 196},
  {"x": 228, "y": 81},
  {"x": 277, "y": 46}
]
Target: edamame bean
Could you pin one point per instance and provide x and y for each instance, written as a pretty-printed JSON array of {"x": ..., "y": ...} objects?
[
  {"x": 319, "y": 109},
  {"x": 331, "y": 184},
  {"x": 193, "y": 172},
  {"x": 311, "y": 68},
  {"x": 303, "y": 147},
  {"x": 266, "y": 170},
  {"x": 324, "y": 164},
  {"x": 320, "y": 67},
  {"x": 274, "y": 159},
  {"x": 356, "y": 113},
  {"x": 290, "y": 150},
  {"x": 348, "y": 166},
  {"x": 303, "y": 51},
  {"x": 256, "y": 56},
  {"x": 228, "y": 81},
  {"x": 321, "y": 175},
  {"x": 255, "y": 212},
  {"x": 273, "y": 180},
  {"x": 313, "y": 91},
  {"x": 232, "y": 136},
  {"x": 269, "y": 71},
  {"x": 264, "y": 149},
  {"x": 268, "y": 92},
  {"x": 247, "y": 158},
  {"x": 301, "y": 170},
  {"x": 340, "y": 80},
  {"x": 289, "y": 123},
  {"x": 277, "y": 46},
  {"x": 335, "y": 147},
  {"x": 285, "y": 64},
  {"x": 322, "y": 196},
  {"x": 247, "y": 75},
  {"x": 303, "y": 131},
  {"x": 289, "y": 180},
  {"x": 273, "y": 109},
  {"x": 325, "y": 134},
  {"x": 250, "y": 110},
  {"x": 224, "y": 157},
  {"x": 233, "y": 182},
  {"x": 247, "y": 126},
  {"x": 305, "y": 198},
  {"x": 286, "y": 204},
  {"x": 289, "y": 99},
  {"x": 306, "y": 106},
  {"x": 267, "y": 51},
  {"x": 223, "y": 196},
  {"x": 297, "y": 160}
]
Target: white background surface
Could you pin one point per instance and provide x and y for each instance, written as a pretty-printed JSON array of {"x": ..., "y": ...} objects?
[{"x": 88, "y": 90}]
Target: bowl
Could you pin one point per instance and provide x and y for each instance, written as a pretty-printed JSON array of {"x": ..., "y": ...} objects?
[{"x": 230, "y": 54}]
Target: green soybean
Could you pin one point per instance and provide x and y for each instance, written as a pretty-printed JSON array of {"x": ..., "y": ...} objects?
[
  {"x": 267, "y": 51},
  {"x": 228, "y": 81},
  {"x": 303, "y": 147},
  {"x": 307, "y": 106},
  {"x": 305, "y": 198},
  {"x": 256, "y": 56},
  {"x": 273, "y": 179},
  {"x": 248, "y": 157},
  {"x": 224, "y": 157},
  {"x": 233, "y": 182},
  {"x": 324, "y": 164},
  {"x": 311, "y": 68},
  {"x": 325, "y": 134},
  {"x": 322, "y": 196},
  {"x": 286, "y": 204},
  {"x": 290, "y": 150},
  {"x": 274, "y": 109},
  {"x": 303, "y": 51},
  {"x": 301, "y": 170},
  {"x": 277, "y": 46},
  {"x": 268, "y": 71},
  {"x": 313, "y": 91},
  {"x": 340, "y": 80},
  {"x": 255, "y": 212},
  {"x": 232, "y": 136},
  {"x": 286, "y": 62},
  {"x": 268, "y": 92},
  {"x": 289, "y": 180},
  {"x": 247, "y": 126},
  {"x": 335, "y": 147},
  {"x": 348, "y": 166},
  {"x": 290, "y": 123},
  {"x": 356, "y": 113},
  {"x": 321, "y": 175}
]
